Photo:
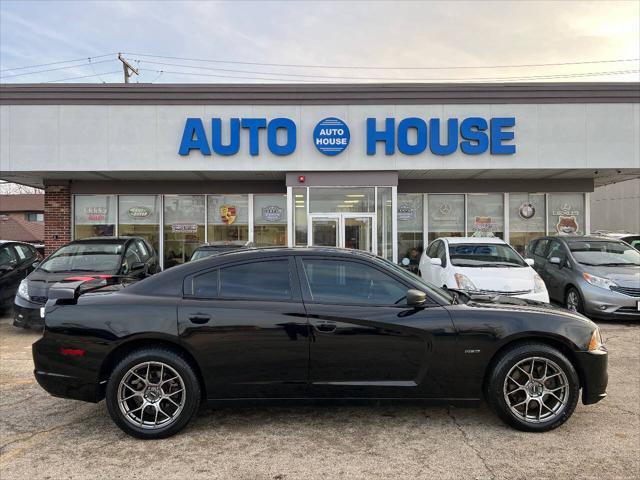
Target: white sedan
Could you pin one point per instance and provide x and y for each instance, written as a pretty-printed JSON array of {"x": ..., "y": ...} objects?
[{"x": 481, "y": 265}]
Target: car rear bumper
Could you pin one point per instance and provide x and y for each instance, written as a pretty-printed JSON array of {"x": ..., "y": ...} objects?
[
  {"x": 26, "y": 314},
  {"x": 592, "y": 367},
  {"x": 66, "y": 386}
]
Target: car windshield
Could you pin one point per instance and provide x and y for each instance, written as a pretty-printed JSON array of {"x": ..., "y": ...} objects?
[
  {"x": 84, "y": 257},
  {"x": 484, "y": 255},
  {"x": 604, "y": 253},
  {"x": 429, "y": 288}
]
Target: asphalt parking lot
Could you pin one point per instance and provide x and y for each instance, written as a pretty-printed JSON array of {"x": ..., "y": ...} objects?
[{"x": 47, "y": 438}]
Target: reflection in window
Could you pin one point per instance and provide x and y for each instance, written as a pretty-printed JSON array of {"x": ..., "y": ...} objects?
[
  {"x": 183, "y": 227},
  {"x": 566, "y": 214},
  {"x": 385, "y": 223},
  {"x": 228, "y": 218},
  {"x": 410, "y": 229},
  {"x": 139, "y": 216},
  {"x": 300, "y": 216},
  {"x": 485, "y": 215},
  {"x": 94, "y": 216},
  {"x": 258, "y": 280},
  {"x": 526, "y": 219},
  {"x": 269, "y": 220},
  {"x": 446, "y": 216},
  {"x": 327, "y": 200}
]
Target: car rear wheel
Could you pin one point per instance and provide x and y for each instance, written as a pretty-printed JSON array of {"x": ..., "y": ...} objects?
[
  {"x": 573, "y": 300},
  {"x": 152, "y": 393},
  {"x": 533, "y": 387}
]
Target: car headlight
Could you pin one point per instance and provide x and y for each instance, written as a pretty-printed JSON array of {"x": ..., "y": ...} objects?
[
  {"x": 598, "y": 281},
  {"x": 538, "y": 284},
  {"x": 596, "y": 342},
  {"x": 464, "y": 283},
  {"x": 23, "y": 289}
]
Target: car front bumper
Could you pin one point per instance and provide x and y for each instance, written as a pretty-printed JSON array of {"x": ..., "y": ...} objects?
[
  {"x": 26, "y": 314},
  {"x": 538, "y": 297},
  {"x": 592, "y": 368},
  {"x": 609, "y": 305}
]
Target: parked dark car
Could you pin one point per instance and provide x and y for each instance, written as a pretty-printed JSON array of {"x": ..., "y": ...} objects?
[
  {"x": 17, "y": 260},
  {"x": 115, "y": 259},
  {"x": 216, "y": 248},
  {"x": 311, "y": 323},
  {"x": 595, "y": 276}
]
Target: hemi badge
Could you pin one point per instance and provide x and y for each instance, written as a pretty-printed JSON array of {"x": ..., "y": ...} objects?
[{"x": 472, "y": 351}]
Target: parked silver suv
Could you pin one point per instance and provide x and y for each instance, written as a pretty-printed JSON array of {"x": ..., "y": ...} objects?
[{"x": 596, "y": 276}]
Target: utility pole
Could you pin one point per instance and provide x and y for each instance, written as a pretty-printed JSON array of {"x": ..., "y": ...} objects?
[{"x": 127, "y": 67}]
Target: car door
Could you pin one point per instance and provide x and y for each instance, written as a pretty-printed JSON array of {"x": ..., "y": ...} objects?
[
  {"x": 10, "y": 276},
  {"x": 440, "y": 271},
  {"x": 555, "y": 275},
  {"x": 246, "y": 325},
  {"x": 429, "y": 268},
  {"x": 538, "y": 253},
  {"x": 365, "y": 340}
]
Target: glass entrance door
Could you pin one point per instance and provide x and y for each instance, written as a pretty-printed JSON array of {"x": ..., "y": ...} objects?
[{"x": 346, "y": 230}]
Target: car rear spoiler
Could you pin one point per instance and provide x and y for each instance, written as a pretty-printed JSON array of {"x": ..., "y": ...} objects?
[{"x": 68, "y": 290}]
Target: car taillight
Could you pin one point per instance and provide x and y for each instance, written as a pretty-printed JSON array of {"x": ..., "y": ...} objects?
[{"x": 73, "y": 352}]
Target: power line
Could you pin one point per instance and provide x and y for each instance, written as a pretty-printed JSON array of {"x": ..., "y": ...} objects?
[
  {"x": 88, "y": 60},
  {"x": 83, "y": 76},
  {"x": 471, "y": 79},
  {"x": 56, "y": 63},
  {"x": 457, "y": 67}
]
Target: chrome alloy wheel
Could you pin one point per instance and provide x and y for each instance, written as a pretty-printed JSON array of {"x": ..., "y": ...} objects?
[
  {"x": 536, "y": 390},
  {"x": 573, "y": 301},
  {"x": 151, "y": 395}
]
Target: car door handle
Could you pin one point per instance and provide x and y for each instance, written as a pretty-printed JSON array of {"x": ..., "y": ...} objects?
[
  {"x": 199, "y": 318},
  {"x": 326, "y": 327}
]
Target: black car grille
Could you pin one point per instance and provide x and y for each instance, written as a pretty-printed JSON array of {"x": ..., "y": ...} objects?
[
  {"x": 37, "y": 299},
  {"x": 632, "y": 292},
  {"x": 629, "y": 310}
]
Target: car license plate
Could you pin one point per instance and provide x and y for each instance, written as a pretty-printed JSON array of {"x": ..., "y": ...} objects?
[{"x": 42, "y": 311}]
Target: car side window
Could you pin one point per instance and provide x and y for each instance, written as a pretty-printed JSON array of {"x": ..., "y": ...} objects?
[
  {"x": 441, "y": 253},
  {"x": 556, "y": 250},
  {"x": 265, "y": 279},
  {"x": 206, "y": 285},
  {"x": 540, "y": 247},
  {"x": 23, "y": 251},
  {"x": 431, "y": 251},
  {"x": 144, "y": 251},
  {"x": 7, "y": 256},
  {"x": 131, "y": 256},
  {"x": 345, "y": 282}
]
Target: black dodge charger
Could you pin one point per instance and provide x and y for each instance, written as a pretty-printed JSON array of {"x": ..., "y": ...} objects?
[{"x": 310, "y": 323}]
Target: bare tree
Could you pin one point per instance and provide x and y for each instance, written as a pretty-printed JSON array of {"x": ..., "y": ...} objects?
[{"x": 8, "y": 188}]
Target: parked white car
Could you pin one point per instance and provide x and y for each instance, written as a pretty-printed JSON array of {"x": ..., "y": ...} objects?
[{"x": 481, "y": 265}]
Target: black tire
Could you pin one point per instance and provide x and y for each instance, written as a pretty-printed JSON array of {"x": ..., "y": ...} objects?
[
  {"x": 579, "y": 307},
  {"x": 495, "y": 388},
  {"x": 190, "y": 403}
]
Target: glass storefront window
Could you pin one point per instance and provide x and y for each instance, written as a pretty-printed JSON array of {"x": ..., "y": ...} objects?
[
  {"x": 269, "y": 220},
  {"x": 485, "y": 215},
  {"x": 566, "y": 214},
  {"x": 410, "y": 229},
  {"x": 344, "y": 199},
  {"x": 446, "y": 216},
  {"x": 300, "y": 216},
  {"x": 183, "y": 227},
  {"x": 94, "y": 216},
  {"x": 385, "y": 222},
  {"x": 139, "y": 216},
  {"x": 228, "y": 218},
  {"x": 526, "y": 219}
]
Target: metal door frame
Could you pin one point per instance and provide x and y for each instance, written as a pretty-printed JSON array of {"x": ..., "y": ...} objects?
[{"x": 340, "y": 218}]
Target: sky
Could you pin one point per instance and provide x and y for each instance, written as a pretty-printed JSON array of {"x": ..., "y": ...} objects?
[{"x": 388, "y": 41}]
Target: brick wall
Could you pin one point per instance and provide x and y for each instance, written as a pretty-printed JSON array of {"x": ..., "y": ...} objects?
[{"x": 57, "y": 217}]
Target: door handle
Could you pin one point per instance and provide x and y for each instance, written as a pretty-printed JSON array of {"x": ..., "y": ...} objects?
[
  {"x": 326, "y": 327},
  {"x": 200, "y": 318}
]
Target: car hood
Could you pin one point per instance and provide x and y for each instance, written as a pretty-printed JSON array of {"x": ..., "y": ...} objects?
[
  {"x": 623, "y": 276},
  {"x": 40, "y": 281},
  {"x": 500, "y": 279}
]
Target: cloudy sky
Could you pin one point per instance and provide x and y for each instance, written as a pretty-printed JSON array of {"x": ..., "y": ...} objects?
[{"x": 310, "y": 41}]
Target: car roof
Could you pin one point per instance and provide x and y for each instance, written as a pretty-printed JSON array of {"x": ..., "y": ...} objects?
[
  {"x": 103, "y": 240},
  {"x": 235, "y": 243},
  {"x": 2, "y": 242},
  {"x": 579, "y": 238},
  {"x": 474, "y": 240}
]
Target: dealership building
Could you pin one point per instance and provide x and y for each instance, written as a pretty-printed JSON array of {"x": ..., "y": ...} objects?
[{"x": 384, "y": 168}]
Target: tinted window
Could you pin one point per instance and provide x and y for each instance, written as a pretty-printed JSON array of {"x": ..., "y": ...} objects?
[
  {"x": 556, "y": 250},
  {"x": 336, "y": 281},
  {"x": 431, "y": 251},
  {"x": 540, "y": 247},
  {"x": 267, "y": 280},
  {"x": 143, "y": 249},
  {"x": 7, "y": 256},
  {"x": 206, "y": 285},
  {"x": 441, "y": 254},
  {"x": 23, "y": 251},
  {"x": 132, "y": 255},
  {"x": 84, "y": 257}
]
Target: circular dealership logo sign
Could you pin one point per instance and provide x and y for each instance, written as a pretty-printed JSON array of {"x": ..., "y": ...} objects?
[
  {"x": 527, "y": 211},
  {"x": 331, "y": 136}
]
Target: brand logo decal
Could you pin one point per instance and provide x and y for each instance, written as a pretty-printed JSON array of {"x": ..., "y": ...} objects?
[
  {"x": 567, "y": 225},
  {"x": 138, "y": 212},
  {"x": 527, "y": 211},
  {"x": 228, "y": 214},
  {"x": 272, "y": 213},
  {"x": 331, "y": 136}
]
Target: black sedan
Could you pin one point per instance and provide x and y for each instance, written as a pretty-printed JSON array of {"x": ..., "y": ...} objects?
[
  {"x": 115, "y": 259},
  {"x": 310, "y": 323},
  {"x": 17, "y": 260}
]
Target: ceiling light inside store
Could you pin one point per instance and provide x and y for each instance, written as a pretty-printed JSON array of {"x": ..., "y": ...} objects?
[{"x": 356, "y": 196}]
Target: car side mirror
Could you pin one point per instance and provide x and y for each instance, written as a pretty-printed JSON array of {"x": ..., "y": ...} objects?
[
  {"x": 555, "y": 261},
  {"x": 35, "y": 264},
  {"x": 435, "y": 261},
  {"x": 416, "y": 298},
  {"x": 530, "y": 261}
]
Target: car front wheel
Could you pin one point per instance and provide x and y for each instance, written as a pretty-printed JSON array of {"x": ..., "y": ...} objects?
[
  {"x": 533, "y": 387},
  {"x": 152, "y": 393},
  {"x": 573, "y": 300}
]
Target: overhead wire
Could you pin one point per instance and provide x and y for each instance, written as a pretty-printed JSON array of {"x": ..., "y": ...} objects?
[{"x": 55, "y": 63}]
